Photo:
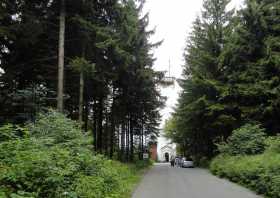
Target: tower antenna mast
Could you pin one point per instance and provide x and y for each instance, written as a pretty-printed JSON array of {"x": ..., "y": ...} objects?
[{"x": 169, "y": 67}]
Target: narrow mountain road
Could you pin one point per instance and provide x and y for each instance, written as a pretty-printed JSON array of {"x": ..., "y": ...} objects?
[{"x": 162, "y": 181}]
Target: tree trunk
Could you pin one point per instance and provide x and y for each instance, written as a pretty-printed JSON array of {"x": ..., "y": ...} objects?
[
  {"x": 86, "y": 115},
  {"x": 142, "y": 140},
  {"x": 95, "y": 126},
  {"x": 139, "y": 148},
  {"x": 118, "y": 141},
  {"x": 100, "y": 125},
  {"x": 61, "y": 57},
  {"x": 112, "y": 131},
  {"x": 112, "y": 134},
  {"x": 142, "y": 144},
  {"x": 122, "y": 141},
  {"x": 106, "y": 134},
  {"x": 81, "y": 97},
  {"x": 127, "y": 142},
  {"x": 131, "y": 141}
]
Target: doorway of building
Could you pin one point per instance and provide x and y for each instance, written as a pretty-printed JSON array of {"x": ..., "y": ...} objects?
[{"x": 166, "y": 155}]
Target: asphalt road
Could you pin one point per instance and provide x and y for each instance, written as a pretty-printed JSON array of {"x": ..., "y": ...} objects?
[{"x": 162, "y": 181}]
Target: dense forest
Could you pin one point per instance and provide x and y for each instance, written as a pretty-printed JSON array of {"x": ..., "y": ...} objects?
[
  {"x": 89, "y": 59},
  {"x": 78, "y": 96},
  {"x": 230, "y": 78},
  {"x": 227, "y": 116}
]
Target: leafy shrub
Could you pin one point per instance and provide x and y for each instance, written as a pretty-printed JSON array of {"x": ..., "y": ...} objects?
[
  {"x": 89, "y": 186},
  {"x": 273, "y": 144},
  {"x": 54, "y": 129},
  {"x": 140, "y": 164},
  {"x": 204, "y": 162},
  {"x": 258, "y": 172},
  {"x": 56, "y": 160},
  {"x": 250, "y": 159},
  {"x": 247, "y": 140},
  {"x": 9, "y": 132}
]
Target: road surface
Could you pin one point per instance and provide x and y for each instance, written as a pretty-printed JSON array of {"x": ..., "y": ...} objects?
[{"x": 162, "y": 181}]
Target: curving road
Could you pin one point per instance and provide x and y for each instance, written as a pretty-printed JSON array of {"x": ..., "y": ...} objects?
[{"x": 162, "y": 181}]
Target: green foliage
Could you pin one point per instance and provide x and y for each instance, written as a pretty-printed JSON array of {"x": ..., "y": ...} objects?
[
  {"x": 56, "y": 160},
  {"x": 82, "y": 65},
  {"x": 10, "y": 132},
  {"x": 204, "y": 162},
  {"x": 6, "y": 133},
  {"x": 247, "y": 140},
  {"x": 242, "y": 162},
  {"x": 273, "y": 144},
  {"x": 140, "y": 164},
  {"x": 258, "y": 172},
  {"x": 54, "y": 129},
  {"x": 231, "y": 76},
  {"x": 107, "y": 42},
  {"x": 200, "y": 117},
  {"x": 170, "y": 129}
]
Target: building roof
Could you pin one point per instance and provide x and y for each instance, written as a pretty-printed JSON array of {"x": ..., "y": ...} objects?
[{"x": 166, "y": 146}]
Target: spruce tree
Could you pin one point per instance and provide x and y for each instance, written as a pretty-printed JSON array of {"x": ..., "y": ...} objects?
[
  {"x": 199, "y": 117},
  {"x": 270, "y": 65},
  {"x": 227, "y": 84}
]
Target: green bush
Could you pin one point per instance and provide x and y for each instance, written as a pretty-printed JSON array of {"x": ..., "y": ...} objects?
[
  {"x": 273, "y": 144},
  {"x": 258, "y": 172},
  {"x": 140, "y": 164},
  {"x": 247, "y": 140},
  {"x": 10, "y": 132},
  {"x": 53, "y": 128},
  {"x": 203, "y": 162},
  {"x": 56, "y": 160}
]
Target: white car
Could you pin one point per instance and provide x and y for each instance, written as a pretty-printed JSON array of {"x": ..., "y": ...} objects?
[{"x": 187, "y": 164}]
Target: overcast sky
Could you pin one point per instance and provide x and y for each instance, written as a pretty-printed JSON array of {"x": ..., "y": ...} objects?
[{"x": 173, "y": 21}]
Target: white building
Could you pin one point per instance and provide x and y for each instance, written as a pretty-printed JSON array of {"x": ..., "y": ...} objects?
[{"x": 165, "y": 148}]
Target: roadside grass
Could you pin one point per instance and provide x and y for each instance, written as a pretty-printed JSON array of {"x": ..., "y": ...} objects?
[
  {"x": 136, "y": 176},
  {"x": 260, "y": 172}
]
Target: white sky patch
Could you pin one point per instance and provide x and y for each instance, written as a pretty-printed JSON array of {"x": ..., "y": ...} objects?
[
  {"x": 2, "y": 71},
  {"x": 173, "y": 21}
]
